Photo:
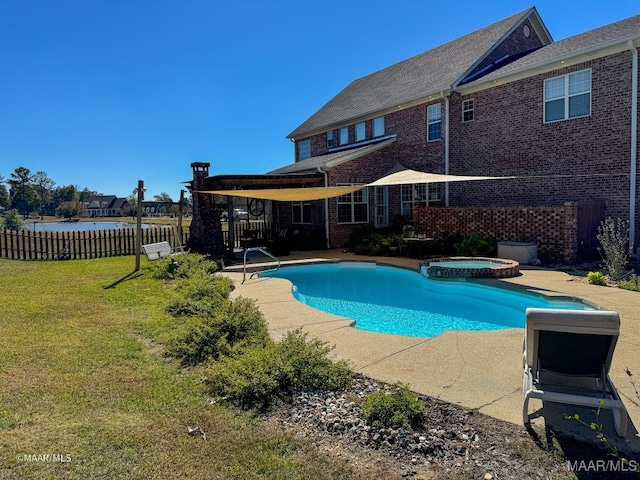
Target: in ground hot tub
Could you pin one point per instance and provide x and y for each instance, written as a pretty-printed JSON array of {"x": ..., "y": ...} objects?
[{"x": 469, "y": 267}]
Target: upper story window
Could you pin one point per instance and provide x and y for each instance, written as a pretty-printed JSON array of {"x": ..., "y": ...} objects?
[
  {"x": 378, "y": 127},
  {"x": 567, "y": 96},
  {"x": 344, "y": 135},
  {"x": 467, "y": 110},
  {"x": 331, "y": 141},
  {"x": 304, "y": 150},
  {"x": 434, "y": 122},
  {"x": 360, "y": 132}
]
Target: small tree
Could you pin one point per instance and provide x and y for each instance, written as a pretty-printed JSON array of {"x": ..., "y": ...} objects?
[
  {"x": 613, "y": 235},
  {"x": 13, "y": 220}
]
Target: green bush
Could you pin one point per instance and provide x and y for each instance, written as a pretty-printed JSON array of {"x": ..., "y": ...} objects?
[
  {"x": 201, "y": 294},
  {"x": 632, "y": 284},
  {"x": 260, "y": 376},
  {"x": 234, "y": 326},
  {"x": 597, "y": 278},
  {"x": 13, "y": 220},
  {"x": 613, "y": 236},
  {"x": 475, "y": 245},
  {"x": 184, "y": 266},
  {"x": 394, "y": 409}
]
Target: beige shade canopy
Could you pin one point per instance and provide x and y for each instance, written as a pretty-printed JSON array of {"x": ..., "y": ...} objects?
[{"x": 402, "y": 177}]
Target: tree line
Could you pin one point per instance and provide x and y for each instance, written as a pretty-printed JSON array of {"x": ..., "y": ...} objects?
[{"x": 36, "y": 195}]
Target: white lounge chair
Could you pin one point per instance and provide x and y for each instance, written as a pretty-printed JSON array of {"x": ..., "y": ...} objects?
[{"x": 567, "y": 355}]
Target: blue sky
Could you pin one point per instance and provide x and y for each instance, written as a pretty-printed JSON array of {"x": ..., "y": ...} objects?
[{"x": 101, "y": 94}]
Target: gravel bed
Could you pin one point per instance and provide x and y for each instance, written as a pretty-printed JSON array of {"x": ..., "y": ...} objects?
[{"x": 453, "y": 442}]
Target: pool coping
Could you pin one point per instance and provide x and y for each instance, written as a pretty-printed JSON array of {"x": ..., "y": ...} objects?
[{"x": 475, "y": 370}]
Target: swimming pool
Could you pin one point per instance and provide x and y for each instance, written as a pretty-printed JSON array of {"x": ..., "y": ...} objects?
[{"x": 400, "y": 301}]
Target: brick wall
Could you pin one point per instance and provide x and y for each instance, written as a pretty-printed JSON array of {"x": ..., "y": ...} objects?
[{"x": 553, "y": 228}]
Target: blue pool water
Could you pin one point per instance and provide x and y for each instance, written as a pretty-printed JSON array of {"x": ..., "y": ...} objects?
[{"x": 399, "y": 301}]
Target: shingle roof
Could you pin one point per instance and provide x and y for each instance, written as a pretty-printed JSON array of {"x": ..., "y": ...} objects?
[
  {"x": 618, "y": 31},
  {"x": 331, "y": 159},
  {"x": 417, "y": 77}
]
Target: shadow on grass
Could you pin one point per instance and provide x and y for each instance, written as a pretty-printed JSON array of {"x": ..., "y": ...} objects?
[{"x": 130, "y": 276}]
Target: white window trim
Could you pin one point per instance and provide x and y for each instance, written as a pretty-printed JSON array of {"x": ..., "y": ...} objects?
[
  {"x": 384, "y": 206},
  {"x": 466, "y": 109},
  {"x": 430, "y": 122},
  {"x": 304, "y": 142},
  {"x": 343, "y": 135},
  {"x": 340, "y": 201},
  {"x": 566, "y": 96}
]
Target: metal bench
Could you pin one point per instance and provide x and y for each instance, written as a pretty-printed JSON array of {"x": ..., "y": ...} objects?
[{"x": 154, "y": 251}]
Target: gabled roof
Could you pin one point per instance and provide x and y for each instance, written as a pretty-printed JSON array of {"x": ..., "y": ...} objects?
[
  {"x": 418, "y": 77},
  {"x": 610, "y": 36}
]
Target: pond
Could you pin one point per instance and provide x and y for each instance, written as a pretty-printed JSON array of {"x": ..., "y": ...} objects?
[{"x": 78, "y": 226}]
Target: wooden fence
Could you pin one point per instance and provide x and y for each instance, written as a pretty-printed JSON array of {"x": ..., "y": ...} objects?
[{"x": 29, "y": 245}]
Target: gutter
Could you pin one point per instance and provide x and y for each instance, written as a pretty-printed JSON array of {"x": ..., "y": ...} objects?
[
  {"x": 326, "y": 205},
  {"x": 634, "y": 147}
]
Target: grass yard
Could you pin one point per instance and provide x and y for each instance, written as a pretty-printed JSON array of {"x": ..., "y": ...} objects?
[{"x": 82, "y": 380}]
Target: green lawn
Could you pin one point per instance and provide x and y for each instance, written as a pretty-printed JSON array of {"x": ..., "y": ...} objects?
[{"x": 82, "y": 378}]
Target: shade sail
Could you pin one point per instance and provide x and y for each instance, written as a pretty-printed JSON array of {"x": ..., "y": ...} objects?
[
  {"x": 402, "y": 177},
  {"x": 407, "y": 176},
  {"x": 289, "y": 194}
]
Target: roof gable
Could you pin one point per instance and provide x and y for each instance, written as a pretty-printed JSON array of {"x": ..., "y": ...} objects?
[
  {"x": 591, "y": 42},
  {"x": 416, "y": 78}
]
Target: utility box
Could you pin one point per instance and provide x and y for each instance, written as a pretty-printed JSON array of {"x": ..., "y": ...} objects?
[{"x": 525, "y": 253}]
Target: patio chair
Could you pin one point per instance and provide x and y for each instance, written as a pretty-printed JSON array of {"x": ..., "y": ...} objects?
[{"x": 567, "y": 356}]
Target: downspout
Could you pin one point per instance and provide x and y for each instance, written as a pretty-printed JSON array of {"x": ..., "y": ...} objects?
[
  {"x": 326, "y": 206},
  {"x": 634, "y": 147},
  {"x": 446, "y": 147}
]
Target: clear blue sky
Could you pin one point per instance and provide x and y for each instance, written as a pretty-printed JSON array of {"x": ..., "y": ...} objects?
[{"x": 102, "y": 93}]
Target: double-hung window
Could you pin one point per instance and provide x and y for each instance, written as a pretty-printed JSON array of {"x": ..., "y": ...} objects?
[
  {"x": 378, "y": 127},
  {"x": 301, "y": 212},
  {"x": 567, "y": 96},
  {"x": 360, "y": 132},
  {"x": 353, "y": 207},
  {"x": 304, "y": 150},
  {"x": 434, "y": 122},
  {"x": 467, "y": 110},
  {"x": 344, "y": 135}
]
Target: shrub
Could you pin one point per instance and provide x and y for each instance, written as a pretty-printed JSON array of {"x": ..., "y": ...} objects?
[
  {"x": 474, "y": 245},
  {"x": 632, "y": 284},
  {"x": 199, "y": 295},
  {"x": 395, "y": 408},
  {"x": 597, "y": 278},
  {"x": 613, "y": 236},
  {"x": 234, "y": 326},
  {"x": 260, "y": 376},
  {"x": 184, "y": 266},
  {"x": 13, "y": 220}
]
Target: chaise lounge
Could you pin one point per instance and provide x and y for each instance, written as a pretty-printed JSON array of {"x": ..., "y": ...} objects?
[{"x": 567, "y": 356}]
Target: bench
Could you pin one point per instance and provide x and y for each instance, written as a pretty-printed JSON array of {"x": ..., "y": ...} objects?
[{"x": 154, "y": 251}]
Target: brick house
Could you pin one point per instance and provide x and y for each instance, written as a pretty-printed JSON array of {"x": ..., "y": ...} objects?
[{"x": 505, "y": 100}]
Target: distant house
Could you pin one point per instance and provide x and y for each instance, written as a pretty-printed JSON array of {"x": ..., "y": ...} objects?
[
  {"x": 154, "y": 209},
  {"x": 104, "y": 206},
  {"x": 506, "y": 100}
]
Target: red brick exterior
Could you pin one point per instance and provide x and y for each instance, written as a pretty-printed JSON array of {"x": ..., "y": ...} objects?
[
  {"x": 553, "y": 228},
  {"x": 577, "y": 160}
]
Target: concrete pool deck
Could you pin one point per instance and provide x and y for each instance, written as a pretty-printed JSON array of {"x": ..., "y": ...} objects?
[{"x": 476, "y": 370}]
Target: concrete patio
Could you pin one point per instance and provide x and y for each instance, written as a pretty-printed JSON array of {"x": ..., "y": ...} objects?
[{"x": 477, "y": 370}]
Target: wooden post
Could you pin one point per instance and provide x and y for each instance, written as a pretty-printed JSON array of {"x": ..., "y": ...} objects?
[
  {"x": 180, "y": 207},
  {"x": 139, "y": 223}
]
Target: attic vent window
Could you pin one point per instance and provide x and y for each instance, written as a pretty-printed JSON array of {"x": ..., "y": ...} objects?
[{"x": 526, "y": 31}]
